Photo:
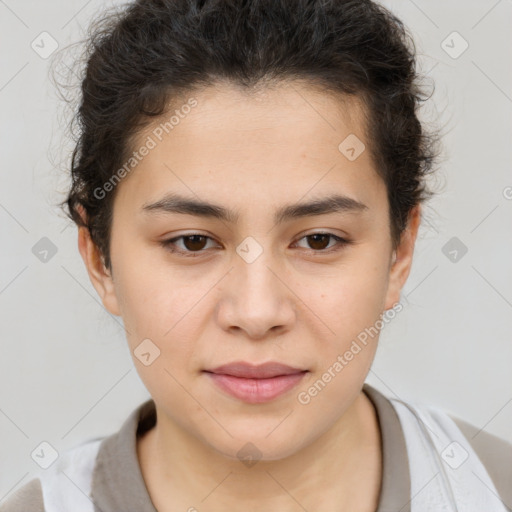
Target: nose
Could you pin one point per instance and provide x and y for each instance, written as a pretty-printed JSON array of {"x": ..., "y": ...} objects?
[{"x": 256, "y": 299}]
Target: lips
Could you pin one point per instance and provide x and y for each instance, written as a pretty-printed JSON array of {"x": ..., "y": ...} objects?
[
  {"x": 255, "y": 383},
  {"x": 250, "y": 371}
]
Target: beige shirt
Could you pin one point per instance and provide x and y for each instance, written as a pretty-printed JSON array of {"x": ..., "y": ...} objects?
[{"x": 118, "y": 485}]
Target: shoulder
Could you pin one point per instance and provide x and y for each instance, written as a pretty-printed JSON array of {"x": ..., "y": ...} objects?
[
  {"x": 495, "y": 454},
  {"x": 28, "y": 497},
  {"x": 68, "y": 484},
  {"x": 456, "y": 441},
  {"x": 63, "y": 486}
]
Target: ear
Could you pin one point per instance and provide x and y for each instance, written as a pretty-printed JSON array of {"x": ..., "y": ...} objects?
[
  {"x": 403, "y": 257},
  {"x": 100, "y": 277}
]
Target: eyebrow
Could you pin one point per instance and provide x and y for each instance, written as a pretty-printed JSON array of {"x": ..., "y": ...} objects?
[{"x": 174, "y": 203}]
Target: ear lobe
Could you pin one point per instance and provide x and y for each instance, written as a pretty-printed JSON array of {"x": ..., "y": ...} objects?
[
  {"x": 403, "y": 257},
  {"x": 100, "y": 277}
]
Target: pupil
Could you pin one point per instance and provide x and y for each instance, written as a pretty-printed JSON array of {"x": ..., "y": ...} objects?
[
  {"x": 195, "y": 242},
  {"x": 315, "y": 238}
]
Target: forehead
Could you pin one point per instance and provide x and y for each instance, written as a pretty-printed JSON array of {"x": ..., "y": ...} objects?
[
  {"x": 251, "y": 148},
  {"x": 278, "y": 115}
]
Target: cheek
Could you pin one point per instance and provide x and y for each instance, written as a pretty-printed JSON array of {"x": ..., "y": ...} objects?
[
  {"x": 351, "y": 299},
  {"x": 157, "y": 313},
  {"x": 166, "y": 306},
  {"x": 351, "y": 305},
  {"x": 153, "y": 297}
]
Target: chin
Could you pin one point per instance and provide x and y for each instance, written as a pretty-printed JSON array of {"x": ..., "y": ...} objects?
[{"x": 250, "y": 449}]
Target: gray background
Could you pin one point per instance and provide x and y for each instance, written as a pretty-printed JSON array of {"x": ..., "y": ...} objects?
[{"x": 65, "y": 371}]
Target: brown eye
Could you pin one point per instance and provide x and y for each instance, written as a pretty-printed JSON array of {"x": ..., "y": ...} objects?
[
  {"x": 319, "y": 242},
  {"x": 194, "y": 243}
]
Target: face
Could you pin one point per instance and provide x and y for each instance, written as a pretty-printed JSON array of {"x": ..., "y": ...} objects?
[{"x": 291, "y": 265}]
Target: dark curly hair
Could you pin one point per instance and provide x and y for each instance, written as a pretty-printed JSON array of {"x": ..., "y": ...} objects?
[{"x": 140, "y": 58}]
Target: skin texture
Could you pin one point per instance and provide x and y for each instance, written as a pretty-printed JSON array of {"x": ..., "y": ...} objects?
[{"x": 292, "y": 304}]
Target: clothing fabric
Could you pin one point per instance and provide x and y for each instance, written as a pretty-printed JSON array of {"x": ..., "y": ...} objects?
[
  {"x": 431, "y": 462},
  {"x": 446, "y": 473}
]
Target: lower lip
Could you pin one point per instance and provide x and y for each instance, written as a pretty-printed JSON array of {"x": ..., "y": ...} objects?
[{"x": 256, "y": 391}]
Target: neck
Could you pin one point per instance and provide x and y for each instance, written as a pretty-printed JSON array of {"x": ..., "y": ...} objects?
[{"x": 342, "y": 469}]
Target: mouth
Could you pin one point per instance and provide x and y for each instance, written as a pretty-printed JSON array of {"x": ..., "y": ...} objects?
[{"x": 255, "y": 383}]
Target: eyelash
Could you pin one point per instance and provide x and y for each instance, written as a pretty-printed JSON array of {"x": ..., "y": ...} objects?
[{"x": 167, "y": 244}]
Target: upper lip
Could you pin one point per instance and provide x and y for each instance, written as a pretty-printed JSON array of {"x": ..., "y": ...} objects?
[{"x": 251, "y": 371}]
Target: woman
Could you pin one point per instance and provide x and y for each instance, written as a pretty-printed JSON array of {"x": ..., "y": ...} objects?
[{"x": 248, "y": 188}]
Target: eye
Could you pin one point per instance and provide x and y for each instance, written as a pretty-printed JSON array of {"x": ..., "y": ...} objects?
[
  {"x": 318, "y": 241},
  {"x": 197, "y": 243},
  {"x": 193, "y": 243}
]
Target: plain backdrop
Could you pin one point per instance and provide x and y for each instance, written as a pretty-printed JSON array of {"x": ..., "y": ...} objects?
[{"x": 66, "y": 374}]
